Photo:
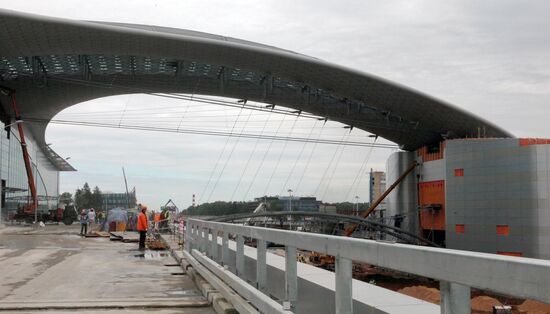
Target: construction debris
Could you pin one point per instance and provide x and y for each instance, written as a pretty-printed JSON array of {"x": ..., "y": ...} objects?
[
  {"x": 96, "y": 234},
  {"x": 154, "y": 244},
  {"x": 126, "y": 237}
]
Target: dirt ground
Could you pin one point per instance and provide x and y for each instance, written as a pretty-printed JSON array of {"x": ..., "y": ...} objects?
[{"x": 481, "y": 302}]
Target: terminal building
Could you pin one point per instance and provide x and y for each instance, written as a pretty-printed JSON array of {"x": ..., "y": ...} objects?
[
  {"x": 377, "y": 186},
  {"x": 45, "y": 166},
  {"x": 479, "y": 194},
  {"x": 474, "y": 186}
]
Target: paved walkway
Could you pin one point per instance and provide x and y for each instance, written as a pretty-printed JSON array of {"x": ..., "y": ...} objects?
[{"x": 54, "y": 269}]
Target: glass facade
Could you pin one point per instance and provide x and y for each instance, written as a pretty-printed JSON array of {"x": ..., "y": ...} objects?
[
  {"x": 123, "y": 200},
  {"x": 284, "y": 203},
  {"x": 15, "y": 190}
]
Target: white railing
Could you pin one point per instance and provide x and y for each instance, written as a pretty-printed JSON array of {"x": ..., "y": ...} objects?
[{"x": 457, "y": 271}]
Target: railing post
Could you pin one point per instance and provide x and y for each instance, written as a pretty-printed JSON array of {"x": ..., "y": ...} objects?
[
  {"x": 261, "y": 265},
  {"x": 343, "y": 274},
  {"x": 209, "y": 243},
  {"x": 225, "y": 248},
  {"x": 455, "y": 298},
  {"x": 188, "y": 235},
  {"x": 239, "y": 256},
  {"x": 291, "y": 276},
  {"x": 205, "y": 240},
  {"x": 214, "y": 245},
  {"x": 200, "y": 238}
]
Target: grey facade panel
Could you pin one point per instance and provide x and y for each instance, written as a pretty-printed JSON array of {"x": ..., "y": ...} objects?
[{"x": 503, "y": 184}]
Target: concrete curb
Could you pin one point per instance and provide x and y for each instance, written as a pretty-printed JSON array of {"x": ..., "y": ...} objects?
[
  {"x": 214, "y": 297},
  {"x": 112, "y": 304}
]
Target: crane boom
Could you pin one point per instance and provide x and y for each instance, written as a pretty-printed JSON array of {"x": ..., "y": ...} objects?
[
  {"x": 349, "y": 231},
  {"x": 26, "y": 158}
]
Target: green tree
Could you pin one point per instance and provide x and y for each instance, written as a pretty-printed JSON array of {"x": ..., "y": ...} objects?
[
  {"x": 83, "y": 197},
  {"x": 66, "y": 198},
  {"x": 78, "y": 199},
  {"x": 96, "y": 199},
  {"x": 222, "y": 208}
]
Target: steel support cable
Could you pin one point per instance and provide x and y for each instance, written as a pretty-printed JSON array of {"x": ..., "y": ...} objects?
[
  {"x": 124, "y": 111},
  {"x": 128, "y": 111},
  {"x": 249, "y": 159},
  {"x": 218, "y": 161},
  {"x": 206, "y": 132},
  {"x": 353, "y": 187},
  {"x": 227, "y": 160},
  {"x": 361, "y": 178},
  {"x": 299, "y": 185},
  {"x": 330, "y": 163},
  {"x": 343, "y": 147},
  {"x": 280, "y": 156},
  {"x": 207, "y": 100},
  {"x": 183, "y": 117},
  {"x": 296, "y": 160},
  {"x": 263, "y": 160}
]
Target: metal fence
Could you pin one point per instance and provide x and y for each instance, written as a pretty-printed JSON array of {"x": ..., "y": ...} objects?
[{"x": 457, "y": 271}]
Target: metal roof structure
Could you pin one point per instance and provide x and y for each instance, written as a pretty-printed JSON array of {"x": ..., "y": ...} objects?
[{"x": 55, "y": 63}]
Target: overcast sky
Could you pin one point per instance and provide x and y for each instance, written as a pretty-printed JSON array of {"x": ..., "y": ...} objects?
[{"x": 488, "y": 57}]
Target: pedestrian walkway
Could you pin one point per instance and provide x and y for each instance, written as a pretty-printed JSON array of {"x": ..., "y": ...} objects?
[{"x": 53, "y": 268}]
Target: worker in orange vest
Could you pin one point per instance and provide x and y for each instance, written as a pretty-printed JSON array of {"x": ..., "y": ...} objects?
[
  {"x": 142, "y": 227},
  {"x": 157, "y": 219}
]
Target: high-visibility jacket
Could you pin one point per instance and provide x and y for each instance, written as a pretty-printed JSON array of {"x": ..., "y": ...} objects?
[
  {"x": 157, "y": 217},
  {"x": 142, "y": 222}
]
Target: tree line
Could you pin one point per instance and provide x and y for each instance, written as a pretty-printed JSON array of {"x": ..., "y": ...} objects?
[
  {"x": 221, "y": 208},
  {"x": 84, "y": 198}
]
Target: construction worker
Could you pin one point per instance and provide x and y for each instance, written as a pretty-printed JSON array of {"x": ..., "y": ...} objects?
[
  {"x": 91, "y": 219},
  {"x": 142, "y": 227},
  {"x": 157, "y": 220},
  {"x": 83, "y": 223}
]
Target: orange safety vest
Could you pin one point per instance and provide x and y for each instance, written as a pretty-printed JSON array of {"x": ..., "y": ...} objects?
[
  {"x": 157, "y": 217},
  {"x": 142, "y": 222}
]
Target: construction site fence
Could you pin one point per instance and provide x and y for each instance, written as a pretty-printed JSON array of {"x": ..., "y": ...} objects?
[{"x": 457, "y": 271}]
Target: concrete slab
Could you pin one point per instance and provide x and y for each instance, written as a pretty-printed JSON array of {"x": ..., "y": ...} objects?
[{"x": 54, "y": 268}]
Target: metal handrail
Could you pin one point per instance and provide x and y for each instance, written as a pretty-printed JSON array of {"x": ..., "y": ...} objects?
[{"x": 457, "y": 270}]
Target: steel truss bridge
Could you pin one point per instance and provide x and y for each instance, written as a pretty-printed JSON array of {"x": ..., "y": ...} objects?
[{"x": 327, "y": 223}]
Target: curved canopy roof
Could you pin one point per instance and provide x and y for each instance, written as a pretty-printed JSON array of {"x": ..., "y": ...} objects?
[{"x": 54, "y": 63}]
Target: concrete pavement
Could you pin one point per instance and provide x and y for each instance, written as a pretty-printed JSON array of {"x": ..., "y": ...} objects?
[{"x": 54, "y": 269}]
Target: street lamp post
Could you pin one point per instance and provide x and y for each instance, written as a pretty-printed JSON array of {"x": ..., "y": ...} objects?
[
  {"x": 290, "y": 206},
  {"x": 356, "y": 205},
  {"x": 290, "y": 200}
]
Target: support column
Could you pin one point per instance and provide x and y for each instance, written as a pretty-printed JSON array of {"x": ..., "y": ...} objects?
[
  {"x": 455, "y": 298},
  {"x": 239, "y": 256},
  {"x": 205, "y": 241},
  {"x": 225, "y": 248},
  {"x": 214, "y": 245},
  {"x": 261, "y": 265},
  {"x": 343, "y": 274},
  {"x": 188, "y": 238},
  {"x": 291, "y": 275}
]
